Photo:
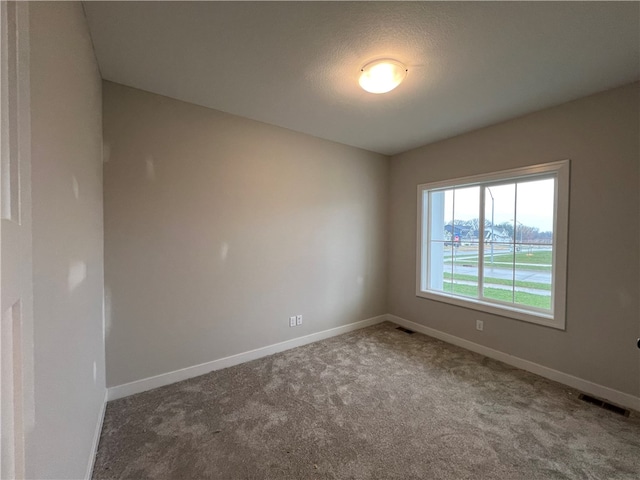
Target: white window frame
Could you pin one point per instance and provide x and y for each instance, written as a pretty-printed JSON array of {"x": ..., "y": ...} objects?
[{"x": 557, "y": 317}]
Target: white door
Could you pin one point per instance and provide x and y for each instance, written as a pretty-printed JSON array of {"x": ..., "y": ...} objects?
[{"x": 16, "y": 333}]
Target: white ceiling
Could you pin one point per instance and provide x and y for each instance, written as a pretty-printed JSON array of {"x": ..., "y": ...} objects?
[{"x": 296, "y": 64}]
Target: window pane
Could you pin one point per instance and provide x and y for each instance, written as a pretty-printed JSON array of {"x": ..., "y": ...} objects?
[
  {"x": 463, "y": 233},
  {"x": 440, "y": 208},
  {"x": 441, "y": 203},
  {"x": 438, "y": 266},
  {"x": 498, "y": 277},
  {"x": 534, "y": 212},
  {"x": 463, "y": 228},
  {"x": 534, "y": 243},
  {"x": 464, "y": 277},
  {"x": 498, "y": 251},
  {"x": 533, "y": 275},
  {"x": 499, "y": 215}
]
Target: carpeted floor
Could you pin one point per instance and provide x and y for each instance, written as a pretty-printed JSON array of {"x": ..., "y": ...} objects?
[{"x": 373, "y": 404}]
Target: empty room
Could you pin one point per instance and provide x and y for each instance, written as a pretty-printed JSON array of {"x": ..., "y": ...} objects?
[{"x": 320, "y": 240}]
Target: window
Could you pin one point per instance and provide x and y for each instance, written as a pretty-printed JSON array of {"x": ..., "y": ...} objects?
[{"x": 497, "y": 242}]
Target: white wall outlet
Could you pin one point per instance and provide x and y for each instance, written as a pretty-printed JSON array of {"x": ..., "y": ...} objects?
[
  {"x": 292, "y": 321},
  {"x": 299, "y": 320},
  {"x": 479, "y": 325}
]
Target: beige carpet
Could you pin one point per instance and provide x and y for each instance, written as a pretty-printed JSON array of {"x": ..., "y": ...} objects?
[{"x": 373, "y": 404}]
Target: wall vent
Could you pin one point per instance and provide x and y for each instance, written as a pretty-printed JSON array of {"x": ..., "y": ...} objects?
[
  {"x": 603, "y": 404},
  {"x": 405, "y": 330}
]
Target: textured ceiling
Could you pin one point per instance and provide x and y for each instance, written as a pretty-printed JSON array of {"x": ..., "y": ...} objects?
[{"x": 296, "y": 64}]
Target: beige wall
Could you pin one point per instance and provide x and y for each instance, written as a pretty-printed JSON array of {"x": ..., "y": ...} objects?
[
  {"x": 600, "y": 134},
  {"x": 66, "y": 129},
  {"x": 218, "y": 228}
]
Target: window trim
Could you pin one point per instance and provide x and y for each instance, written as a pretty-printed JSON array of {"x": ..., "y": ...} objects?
[{"x": 559, "y": 169}]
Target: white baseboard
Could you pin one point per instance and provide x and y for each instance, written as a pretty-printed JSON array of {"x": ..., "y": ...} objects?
[
  {"x": 150, "y": 383},
  {"x": 96, "y": 438},
  {"x": 600, "y": 391}
]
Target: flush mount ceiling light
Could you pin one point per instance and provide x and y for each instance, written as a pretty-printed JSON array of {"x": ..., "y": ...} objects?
[{"x": 382, "y": 76}]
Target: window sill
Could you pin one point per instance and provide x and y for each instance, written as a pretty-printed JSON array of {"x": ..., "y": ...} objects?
[{"x": 547, "y": 320}]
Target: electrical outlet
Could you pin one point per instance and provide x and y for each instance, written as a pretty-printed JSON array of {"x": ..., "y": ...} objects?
[
  {"x": 299, "y": 320},
  {"x": 292, "y": 321},
  {"x": 479, "y": 325}
]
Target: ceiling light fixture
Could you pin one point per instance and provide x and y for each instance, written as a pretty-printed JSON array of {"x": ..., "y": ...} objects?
[{"x": 382, "y": 76}]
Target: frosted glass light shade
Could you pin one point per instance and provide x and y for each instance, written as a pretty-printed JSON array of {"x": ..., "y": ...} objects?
[{"x": 382, "y": 76}]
